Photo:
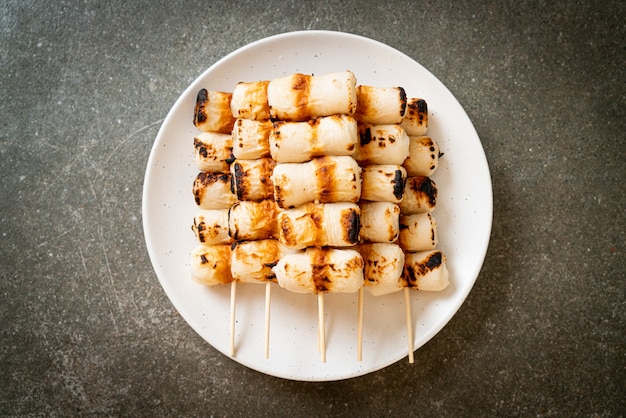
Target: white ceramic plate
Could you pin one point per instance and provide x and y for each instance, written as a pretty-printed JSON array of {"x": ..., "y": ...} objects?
[{"x": 463, "y": 213}]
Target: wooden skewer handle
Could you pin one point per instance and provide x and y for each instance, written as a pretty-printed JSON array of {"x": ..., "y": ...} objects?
[
  {"x": 233, "y": 294},
  {"x": 268, "y": 289},
  {"x": 409, "y": 323},
  {"x": 322, "y": 331},
  {"x": 359, "y": 351}
]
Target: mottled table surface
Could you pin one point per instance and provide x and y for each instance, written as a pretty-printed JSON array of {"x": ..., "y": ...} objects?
[{"x": 86, "y": 328}]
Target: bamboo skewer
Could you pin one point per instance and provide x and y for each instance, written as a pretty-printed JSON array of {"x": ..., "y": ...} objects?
[
  {"x": 233, "y": 294},
  {"x": 268, "y": 289},
  {"x": 359, "y": 351},
  {"x": 321, "y": 326},
  {"x": 409, "y": 323}
]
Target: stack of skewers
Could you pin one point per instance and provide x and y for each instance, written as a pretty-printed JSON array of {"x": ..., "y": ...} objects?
[{"x": 319, "y": 185}]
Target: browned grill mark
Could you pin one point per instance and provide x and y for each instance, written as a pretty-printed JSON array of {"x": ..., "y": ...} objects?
[
  {"x": 233, "y": 230},
  {"x": 231, "y": 156},
  {"x": 316, "y": 215},
  {"x": 412, "y": 272},
  {"x": 366, "y": 100},
  {"x": 325, "y": 178},
  {"x": 403, "y": 100},
  {"x": 363, "y": 100},
  {"x": 288, "y": 231},
  {"x": 301, "y": 89},
  {"x": 370, "y": 264},
  {"x": 392, "y": 233},
  {"x": 354, "y": 264},
  {"x": 249, "y": 176},
  {"x": 351, "y": 225},
  {"x": 279, "y": 195},
  {"x": 270, "y": 276},
  {"x": 316, "y": 149},
  {"x": 203, "y": 149},
  {"x": 422, "y": 107},
  {"x": 213, "y": 108},
  {"x": 319, "y": 266},
  {"x": 365, "y": 134},
  {"x": 398, "y": 184},
  {"x": 425, "y": 187},
  {"x": 199, "y": 113},
  {"x": 417, "y": 109},
  {"x": 238, "y": 184},
  {"x": 278, "y": 137}
]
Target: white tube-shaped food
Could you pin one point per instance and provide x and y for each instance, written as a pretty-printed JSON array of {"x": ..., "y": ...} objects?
[
  {"x": 381, "y": 144},
  {"x": 211, "y": 226},
  {"x": 321, "y": 270},
  {"x": 415, "y": 121},
  {"x": 213, "y": 152},
  {"x": 252, "y": 261},
  {"x": 425, "y": 270},
  {"x": 383, "y": 183},
  {"x": 380, "y": 221},
  {"x": 213, "y": 191},
  {"x": 212, "y": 111},
  {"x": 210, "y": 264},
  {"x": 324, "y": 179},
  {"x": 249, "y": 100},
  {"x": 252, "y": 179},
  {"x": 320, "y": 224},
  {"x": 297, "y": 142},
  {"x": 423, "y": 156},
  {"x": 299, "y": 97},
  {"x": 380, "y": 105},
  {"x": 383, "y": 267},
  {"x": 420, "y": 195},
  {"x": 248, "y": 220},
  {"x": 418, "y": 232},
  {"x": 251, "y": 139}
]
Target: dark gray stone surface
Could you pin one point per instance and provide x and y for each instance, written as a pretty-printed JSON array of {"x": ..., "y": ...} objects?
[{"x": 85, "y": 328}]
